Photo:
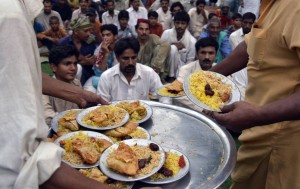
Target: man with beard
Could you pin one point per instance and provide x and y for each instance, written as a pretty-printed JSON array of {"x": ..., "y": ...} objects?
[
  {"x": 182, "y": 44},
  {"x": 111, "y": 15},
  {"x": 240, "y": 77},
  {"x": 154, "y": 51},
  {"x": 128, "y": 80},
  {"x": 44, "y": 17},
  {"x": 206, "y": 52}
]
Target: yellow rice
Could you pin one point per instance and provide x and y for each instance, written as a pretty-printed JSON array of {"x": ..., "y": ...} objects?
[{"x": 164, "y": 92}]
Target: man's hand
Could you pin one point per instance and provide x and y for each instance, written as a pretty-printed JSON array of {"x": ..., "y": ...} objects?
[
  {"x": 87, "y": 60},
  {"x": 104, "y": 46},
  {"x": 237, "y": 116},
  {"x": 87, "y": 99},
  {"x": 179, "y": 45}
]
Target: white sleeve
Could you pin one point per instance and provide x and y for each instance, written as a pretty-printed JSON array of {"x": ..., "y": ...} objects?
[{"x": 104, "y": 87}]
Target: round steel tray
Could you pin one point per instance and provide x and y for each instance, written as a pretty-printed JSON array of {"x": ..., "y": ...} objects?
[{"x": 210, "y": 148}]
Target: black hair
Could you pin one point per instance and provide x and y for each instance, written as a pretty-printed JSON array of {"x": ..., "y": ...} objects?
[
  {"x": 127, "y": 43},
  {"x": 206, "y": 42},
  {"x": 213, "y": 20},
  {"x": 53, "y": 18},
  {"x": 123, "y": 14},
  {"x": 152, "y": 14},
  {"x": 176, "y": 4},
  {"x": 198, "y": 2},
  {"x": 164, "y": 0},
  {"x": 182, "y": 16},
  {"x": 249, "y": 15},
  {"x": 110, "y": 27},
  {"x": 236, "y": 15},
  {"x": 110, "y": 1},
  {"x": 60, "y": 52},
  {"x": 47, "y": 1},
  {"x": 210, "y": 15}
]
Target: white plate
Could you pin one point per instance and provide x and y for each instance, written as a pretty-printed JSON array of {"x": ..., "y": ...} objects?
[
  {"x": 90, "y": 134},
  {"x": 183, "y": 171},
  {"x": 173, "y": 96},
  {"x": 148, "y": 109},
  {"x": 81, "y": 115},
  {"x": 117, "y": 176},
  {"x": 54, "y": 121},
  {"x": 235, "y": 92}
]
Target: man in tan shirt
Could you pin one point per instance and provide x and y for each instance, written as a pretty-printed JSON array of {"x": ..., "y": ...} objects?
[{"x": 269, "y": 118}]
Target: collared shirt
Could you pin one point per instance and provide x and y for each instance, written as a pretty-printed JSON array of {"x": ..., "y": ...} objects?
[
  {"x": 134, "y": 15},
  {"x": 129, "y": 31},
  {"x": 164, "y": 18},
  {"x": 197, "y": 21},
  {"x": 43, "y": 19},
  {"x": 224, "y": 45},
  {"x": 236, "y": 37},
  {"x": 108, "y": 19},
  {"x": 114, "y": 86}
]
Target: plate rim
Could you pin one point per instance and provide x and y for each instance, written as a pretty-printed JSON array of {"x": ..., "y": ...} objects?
[
  {"x": 54, "y": 121},
  {"x": 89, "y": 133},
  {"x": 167, "y": 180},
  {"x": 223, "y": 78},
  {"x": 168, "y": 96},
  {"x": 85, "y": 111},
  {"x": 147, "y": 106},
  {"x": 106, "y": 171}
]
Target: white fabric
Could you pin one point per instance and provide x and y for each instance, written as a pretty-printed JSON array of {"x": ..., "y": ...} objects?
[
  {"x": 181, "y": 57},
  {"x": 196, "y": 22},
  {"x": 107, "y": 19},
  {"x": 164, "y": 18},
  {"x": 240, "y": 78},
  {"x": 250, "y": 6},
  {"x": 114, "y": 86},
  {"x": 26, "y": 161},
  {"x": 134, "y": 15},
  {"x": 43, "y": 19}
]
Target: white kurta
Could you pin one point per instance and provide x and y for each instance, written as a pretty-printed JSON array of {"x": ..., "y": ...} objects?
[
  {"x": 135, "y": 15},
  {"x": 26, "y": 160}
]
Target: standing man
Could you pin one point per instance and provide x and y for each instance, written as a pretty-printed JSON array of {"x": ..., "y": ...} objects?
[
  {"x": 269, "y": 117},
  {"x": 240, "y": 77},
  {"x": 199, "y": 17},
  {"x": 44, "y": 17},
  {"x": 111, "y": 15},
  {"x": 182, "y": 44},
  {"x": 154, "y": 52},
  {"x": 136, "y": 12}
]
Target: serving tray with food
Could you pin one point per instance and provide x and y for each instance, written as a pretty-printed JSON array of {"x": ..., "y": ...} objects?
[
  {"x": 132, "y": 160},
  {"x": 172, "y": 90},
  {"x": 210, "y": 90}
]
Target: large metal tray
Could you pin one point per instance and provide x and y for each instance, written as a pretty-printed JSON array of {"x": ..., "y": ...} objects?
[{"x": 210, "y": 148}]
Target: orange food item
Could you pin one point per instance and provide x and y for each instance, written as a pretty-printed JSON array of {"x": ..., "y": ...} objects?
[{"x": 181, "y": 162}]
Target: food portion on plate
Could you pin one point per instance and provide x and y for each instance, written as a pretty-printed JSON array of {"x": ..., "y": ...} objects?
[
  {"x": 83, "y": 147},
  {"x": 127, "y": 131},
  {"x": 136, "y": 110},
  {"x": 210, "y": 88},
  {"x": 103, "y": 116},
  {"x": 132, "y": 160},
  {"x": 96, "y": 174},
  {"x": 175, "y": 89}
]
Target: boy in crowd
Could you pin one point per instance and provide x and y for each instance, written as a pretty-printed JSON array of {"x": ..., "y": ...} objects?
[
  {"x": 155, "y": 27},
  {"x": 124, "y": 29},
  {"x": 237, "y": 23},
  {"x": 63, "y": 63}
]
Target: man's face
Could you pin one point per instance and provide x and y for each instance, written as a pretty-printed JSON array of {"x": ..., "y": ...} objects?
[
  {"x": 152, "y": 21},
  {"x": 164, "y": 5},
  {"x": 135, "y": 4},
  {"x": 200, "y": 7},
  {"x": 66, "y": 70},
  {"x": 143, "y": 31},
  {"x": 180, "y": 27},
  {"x": 176, "y": 10},
  {"x": 54, "y": 24},
  {"x": 108, "y": 36},
  {"x": 225, "y": 10},
  {"x": 206, "y": 57},
  {"x": 247, "y": 25},
  {"x": 83, "y": 34},
  {"x": 127, "y": 62},
  {"x": 110, "y": 6},
  {"x": 83, "y": 4},
  {"x": 214, "y": 29},
  {"x": 47, "y": 8},
  {"x": 92, "y": 18},
  {"x": 237, "y": 22},
  {"x": 123, "y": 22}
]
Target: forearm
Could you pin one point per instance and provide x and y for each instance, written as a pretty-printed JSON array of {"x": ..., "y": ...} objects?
[
  {"x": 102, "y": 65},
  {"x": 66, "y": 177},
  {"x": 236, "y": 61}
]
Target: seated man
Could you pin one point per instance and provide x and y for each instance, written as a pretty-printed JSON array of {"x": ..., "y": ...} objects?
[
  {"x": 182, "y": 44},
  {"x": 128, "y": 80},
  {"x": 154, "y": 52},
  {"x": 111, "y": 15},
  {"x": 155, "y": 27},
  {"x": 63, "y": 63},
  {"x": 51, "y": 36},
  {"x": 206, "y": 52},
  {"x": 199, "y": 17},
  {"x": 136, "y": 11},
  {"x": 124, "y": 29},
  {"x": 164, "y": 14},
  {"x": 105, "y": 57},
  {"x": 214, "y": 31}
]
